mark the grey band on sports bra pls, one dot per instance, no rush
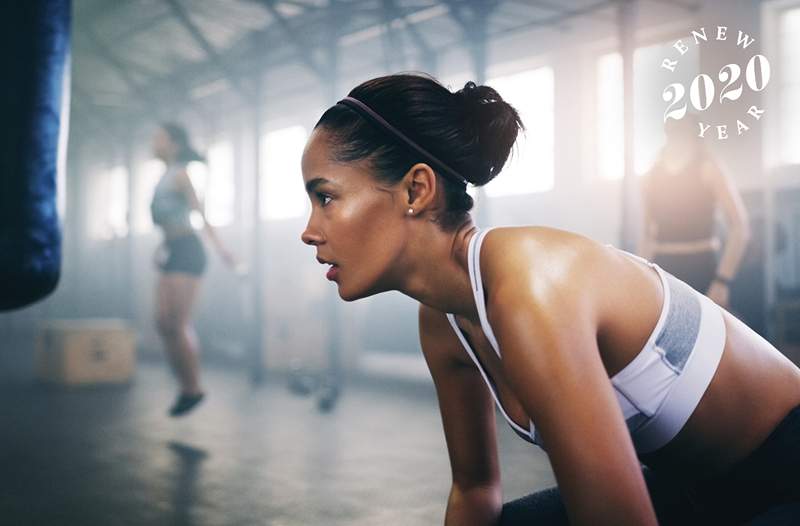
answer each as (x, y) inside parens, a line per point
(367, 112)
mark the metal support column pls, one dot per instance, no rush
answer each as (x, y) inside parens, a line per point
(479, 27)
(256, 360)
(131, 216)
(626, 27)
(334, 374)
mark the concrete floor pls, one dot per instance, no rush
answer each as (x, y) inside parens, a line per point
(109, 456)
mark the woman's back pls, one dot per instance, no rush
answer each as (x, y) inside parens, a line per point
(754, 385)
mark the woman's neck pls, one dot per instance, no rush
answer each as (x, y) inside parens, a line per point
(435, 271)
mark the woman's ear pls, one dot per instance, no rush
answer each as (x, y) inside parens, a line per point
(420, 188)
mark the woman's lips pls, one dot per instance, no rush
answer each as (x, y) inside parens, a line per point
(333, 272)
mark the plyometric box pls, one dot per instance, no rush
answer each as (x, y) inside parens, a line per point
(91, 351)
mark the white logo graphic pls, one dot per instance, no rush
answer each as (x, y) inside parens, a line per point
(703, 88)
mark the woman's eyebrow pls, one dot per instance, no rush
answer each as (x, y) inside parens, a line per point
(314, 183)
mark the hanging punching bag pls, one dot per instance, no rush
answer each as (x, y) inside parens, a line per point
(35, 50)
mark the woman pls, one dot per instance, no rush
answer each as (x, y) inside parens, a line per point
(540, 319)
(680, 195)
(181, 261)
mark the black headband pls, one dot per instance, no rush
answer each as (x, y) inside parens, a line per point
(367, 112)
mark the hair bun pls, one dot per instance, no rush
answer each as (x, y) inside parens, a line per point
(494, 125)
(473, 94)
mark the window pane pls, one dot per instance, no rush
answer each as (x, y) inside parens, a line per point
(789, 41)
(117, 212)
(790, 86)
(790, 117)
(649, 81)
(282, 192)
(109, 204)
(198, 175)
(530, 168)
(220, 187)
(610, 117)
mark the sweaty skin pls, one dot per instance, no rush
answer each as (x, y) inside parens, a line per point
(568, 314)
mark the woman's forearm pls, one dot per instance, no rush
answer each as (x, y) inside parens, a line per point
(478, 506)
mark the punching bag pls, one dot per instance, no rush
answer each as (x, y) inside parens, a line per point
(35, 37)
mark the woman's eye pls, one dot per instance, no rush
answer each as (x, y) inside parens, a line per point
(323, 199)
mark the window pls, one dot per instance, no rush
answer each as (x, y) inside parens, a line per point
(789, 42)
(530, 167)
(198, 175)
(649, 80)
(282, 193)
(220, 187)
(610, 117)
(109, 204)
(149, 173)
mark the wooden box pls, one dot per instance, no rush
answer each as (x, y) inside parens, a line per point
(90, 351)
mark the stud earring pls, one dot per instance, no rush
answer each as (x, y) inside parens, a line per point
(410, 210)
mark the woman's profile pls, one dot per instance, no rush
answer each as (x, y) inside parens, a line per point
(600, 357)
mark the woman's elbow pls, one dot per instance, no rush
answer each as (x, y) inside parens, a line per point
(474, 505)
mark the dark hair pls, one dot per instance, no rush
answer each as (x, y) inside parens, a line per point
(178, 135)
(472, 131)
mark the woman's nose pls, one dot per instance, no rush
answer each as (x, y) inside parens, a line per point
(311, 237)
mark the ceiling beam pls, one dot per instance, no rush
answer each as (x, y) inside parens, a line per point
(567, 14)
(291, 35)
(183, 17)
(428, 54)
(104, 53)
(391, 44)
(84, 101)
(692, 7)
(151, 102)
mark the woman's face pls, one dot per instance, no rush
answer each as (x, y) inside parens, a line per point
(357, 223)
(162, 145)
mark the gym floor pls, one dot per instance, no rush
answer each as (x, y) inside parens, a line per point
(248, 455)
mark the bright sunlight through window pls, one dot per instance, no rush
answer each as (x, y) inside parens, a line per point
(282, 193)
(109, 198)
(221, 186)
(648, 107)
(530, 167)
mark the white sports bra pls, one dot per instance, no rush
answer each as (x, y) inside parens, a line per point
(660, 388)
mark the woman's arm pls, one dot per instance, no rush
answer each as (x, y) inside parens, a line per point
(185, 184)
(546, 323)
(729, 199)
(468, 417)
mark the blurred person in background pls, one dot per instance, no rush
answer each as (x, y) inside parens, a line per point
(680, 195)
(181, 260)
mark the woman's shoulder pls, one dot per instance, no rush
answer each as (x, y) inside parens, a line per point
(538, 259)
(526, 244)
